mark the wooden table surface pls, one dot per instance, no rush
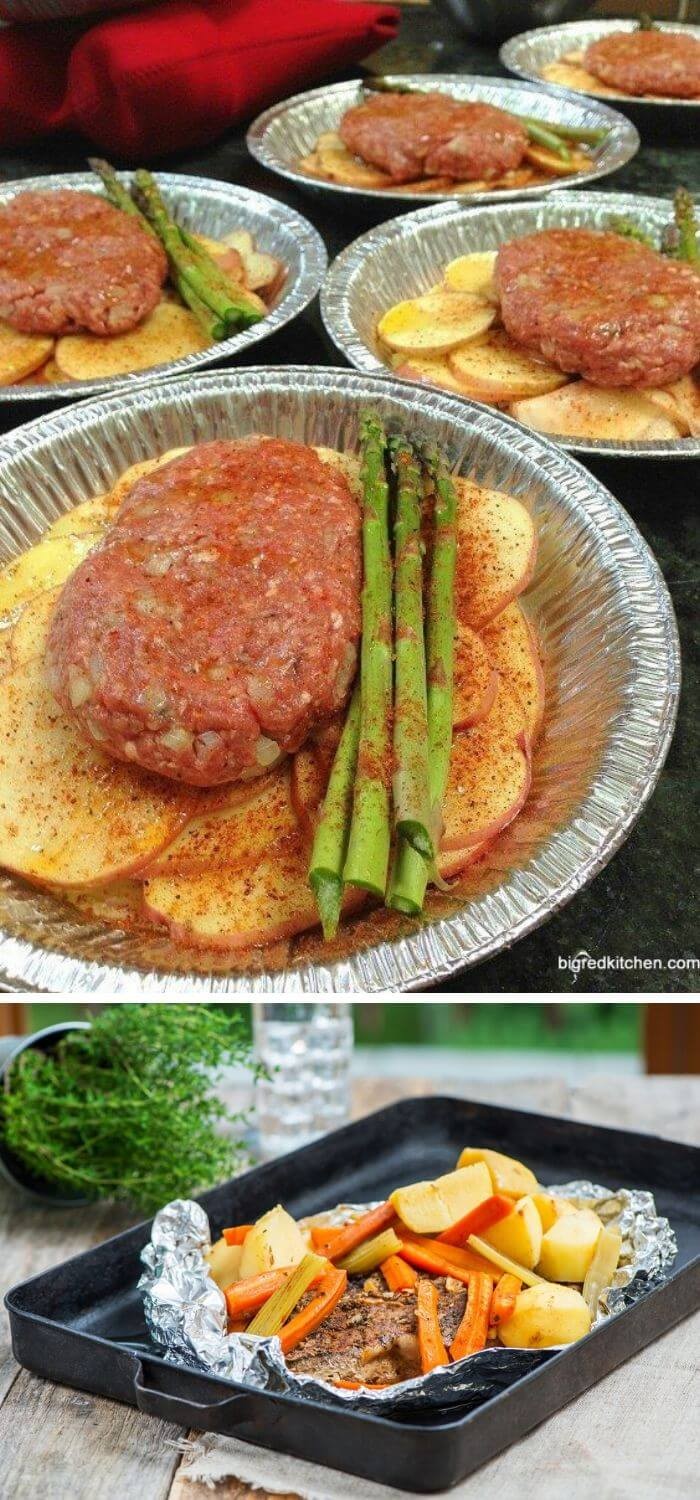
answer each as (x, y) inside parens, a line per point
(635, 1436)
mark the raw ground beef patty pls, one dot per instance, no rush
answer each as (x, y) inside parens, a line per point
(601, 306)
(371, 1335)
(647, 62)
(71, 261)
(425, 135)
(218, 621)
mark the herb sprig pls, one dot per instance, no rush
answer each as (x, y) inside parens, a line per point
(126, 1110)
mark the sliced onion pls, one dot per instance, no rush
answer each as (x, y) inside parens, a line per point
(176, 739)
(79, 688)
(266, 751)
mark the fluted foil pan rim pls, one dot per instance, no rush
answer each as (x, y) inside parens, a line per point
(474, 229)
(186, 1312)
(613, 663)
(203, 202)
(525, 53)
(303, 117)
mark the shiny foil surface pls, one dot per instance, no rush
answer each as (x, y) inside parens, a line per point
(186, 1312)
(214, 209)
(598, 603)
(280, 137)
(407, 256)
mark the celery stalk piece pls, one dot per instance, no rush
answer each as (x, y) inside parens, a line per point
(602, 1268)
(367, 1257)
(504, 1262)
(274, 1313)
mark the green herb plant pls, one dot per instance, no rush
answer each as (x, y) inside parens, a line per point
(127, 1109)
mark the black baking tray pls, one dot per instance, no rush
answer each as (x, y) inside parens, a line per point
(81, 1323)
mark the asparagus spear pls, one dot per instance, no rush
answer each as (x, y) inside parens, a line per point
(410, 873)
(587, 133)
(331, 838)
(367, 857)
(543, 136)
(410, 781)
(630, 231)
(195, 270)
(681, 238)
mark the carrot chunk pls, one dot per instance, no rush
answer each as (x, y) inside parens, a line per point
(482, 1217)
(247, 1296)
(331, 1286)
(473, 1329)
(355, 1234)
(430, 1340)
(397, 1273)
(323, 1236)
(503, 1300)
(237, 1234)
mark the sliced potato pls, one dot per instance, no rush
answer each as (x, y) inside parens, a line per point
(510, 1177)
(224, 1263)
(430, 1207)
(275, 1240)
(475, 679)
(519, 1235)
(91, 517)
(551, 1208)
(545, 1316)
(496, 555)
(572, 75)
(557, 166)
(119, 903)
(511, 650)
(594, 411)
(21, 353)
(489, 778)
(496, 369)
(341, 166)
(436, 321)
(569, 1245)
(420, 367)
(168, 333)
(30, 632)
(42, 567)
(680, 402)
(256, 816)
(68, 814)
(307, 789)
(473, 273)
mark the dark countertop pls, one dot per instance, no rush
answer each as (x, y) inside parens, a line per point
(642, 905)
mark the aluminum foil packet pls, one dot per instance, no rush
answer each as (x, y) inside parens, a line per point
(186, 1311)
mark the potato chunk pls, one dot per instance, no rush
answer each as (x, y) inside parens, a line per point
(508, 1176)
(437, 321)
(519, 1235)
(275, 1240)
(568, 1247)
(551, 1208)
(430, 1207)
(224, 1263)
(544, 1316)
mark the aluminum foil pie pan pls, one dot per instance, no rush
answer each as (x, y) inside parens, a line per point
(280, 137)
(406, 256)
(530, 51)
(215, 209)
(598, 601)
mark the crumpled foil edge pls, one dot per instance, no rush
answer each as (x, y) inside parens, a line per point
(185, 1310)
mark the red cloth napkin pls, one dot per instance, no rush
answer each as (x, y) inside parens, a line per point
(178, 75)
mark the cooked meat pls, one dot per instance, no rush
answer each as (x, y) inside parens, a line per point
(430, 135)
(601, 306)
(219, 619)
(371, 1335)
(71, 261)
(647, 62)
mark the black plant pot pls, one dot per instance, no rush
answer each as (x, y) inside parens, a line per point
(11, 1168)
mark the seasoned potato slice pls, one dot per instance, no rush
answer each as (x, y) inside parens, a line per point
(168, 333)
(437, 371)
(21, 353)
(90, 517)
(430, 1207)
(42, 567)
(544, 1316)
(29, 635)
(510, 1177)
(572, 75)
(569, 1245)
(68, 814)
(519, 1235)
(496, 369)
(307, 789)
(557, 166)
(119, 903)
(275, 1240)
(256, 816)
(594, 411)
(47, 374)
(262, 271)
(436, 321)
(512, 651)
(475, 679)
(473, 273)
(496, 555)
(489, 777)
(680, 402)
(341, 166)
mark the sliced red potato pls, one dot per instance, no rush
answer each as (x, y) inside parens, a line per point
(262, 271)
(21, 353)
(338, 164)
(254, 817)
(7, 626)
(557, 166)
(91, 516)
(119, 904)
(451, 862)
(309, 779)
(436, 321)
(594, 411)
(68, 814)
(489, 776)
(168, 333)
(473, 273)
(497, 551)
(680, 402)
(569, 73)
(436, 371)
(42, 567)
(232, 909)
(29, 635)
(511, 648)
(475, 679)
(497, 369)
